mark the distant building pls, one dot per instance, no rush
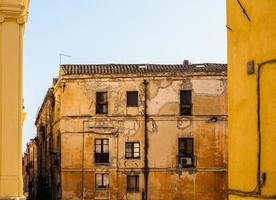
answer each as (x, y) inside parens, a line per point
(30, 170)
(121, 131)
(25, 174)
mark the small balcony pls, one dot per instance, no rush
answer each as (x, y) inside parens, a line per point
(102, 158)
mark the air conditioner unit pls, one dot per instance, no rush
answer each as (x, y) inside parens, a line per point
(186, 161)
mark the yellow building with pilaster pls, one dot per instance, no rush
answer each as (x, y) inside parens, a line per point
(13, 15)
(252, 98)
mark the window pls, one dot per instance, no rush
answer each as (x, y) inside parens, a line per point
(101, 103)
(101, 181)
(101, 151)
(133, 183)
(132, 149)
(132, 99)
(42, 129)
(185, 102)
(186, 152)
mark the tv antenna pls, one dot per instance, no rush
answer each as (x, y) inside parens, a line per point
(63, 55)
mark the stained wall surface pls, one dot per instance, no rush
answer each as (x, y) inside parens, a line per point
(78, 125)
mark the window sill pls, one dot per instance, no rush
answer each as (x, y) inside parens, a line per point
(101, 189)
(133, 191)
(102, 164)
(133, 158)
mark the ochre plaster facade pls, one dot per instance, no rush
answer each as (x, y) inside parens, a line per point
(30, 170)
(68, 126)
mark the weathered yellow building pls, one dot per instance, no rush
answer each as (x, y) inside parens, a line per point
(134, 132)
(24, 174)
(252, 111)
(30, 170)
(13, 15)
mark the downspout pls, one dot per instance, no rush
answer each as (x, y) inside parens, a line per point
(261, 176)
(82, 162)
(146, 168)
(117, 167)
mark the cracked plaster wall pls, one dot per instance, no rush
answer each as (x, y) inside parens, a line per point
(122, 124)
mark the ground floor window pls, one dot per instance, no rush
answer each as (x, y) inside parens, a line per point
(132, 183)
(102, 181)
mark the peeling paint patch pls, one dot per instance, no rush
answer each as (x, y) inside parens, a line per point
(186, 84)
(156, 85)
(164, 96)
(129, 128)
(103, 126)
(183, 123)
(107, 126)
(119, 100)
(152, 126)
(208, 87)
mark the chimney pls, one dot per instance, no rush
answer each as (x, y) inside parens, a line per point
(185, 62)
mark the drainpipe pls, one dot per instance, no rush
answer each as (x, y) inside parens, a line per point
(82, 161)
(146, 170)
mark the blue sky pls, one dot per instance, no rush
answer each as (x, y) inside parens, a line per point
(116, 31)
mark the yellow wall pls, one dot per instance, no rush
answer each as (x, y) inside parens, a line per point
(253, 39)
(12, 19)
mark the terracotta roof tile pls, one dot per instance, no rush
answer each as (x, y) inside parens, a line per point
(142, 68)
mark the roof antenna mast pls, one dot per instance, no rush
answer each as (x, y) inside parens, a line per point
(63, 55)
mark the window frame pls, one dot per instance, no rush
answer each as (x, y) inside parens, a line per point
(132, 152)
(137, 183)
(183, 105)
(100, 104)
(102, 156)
(183, 153)
(128, 103)
(102, 186)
